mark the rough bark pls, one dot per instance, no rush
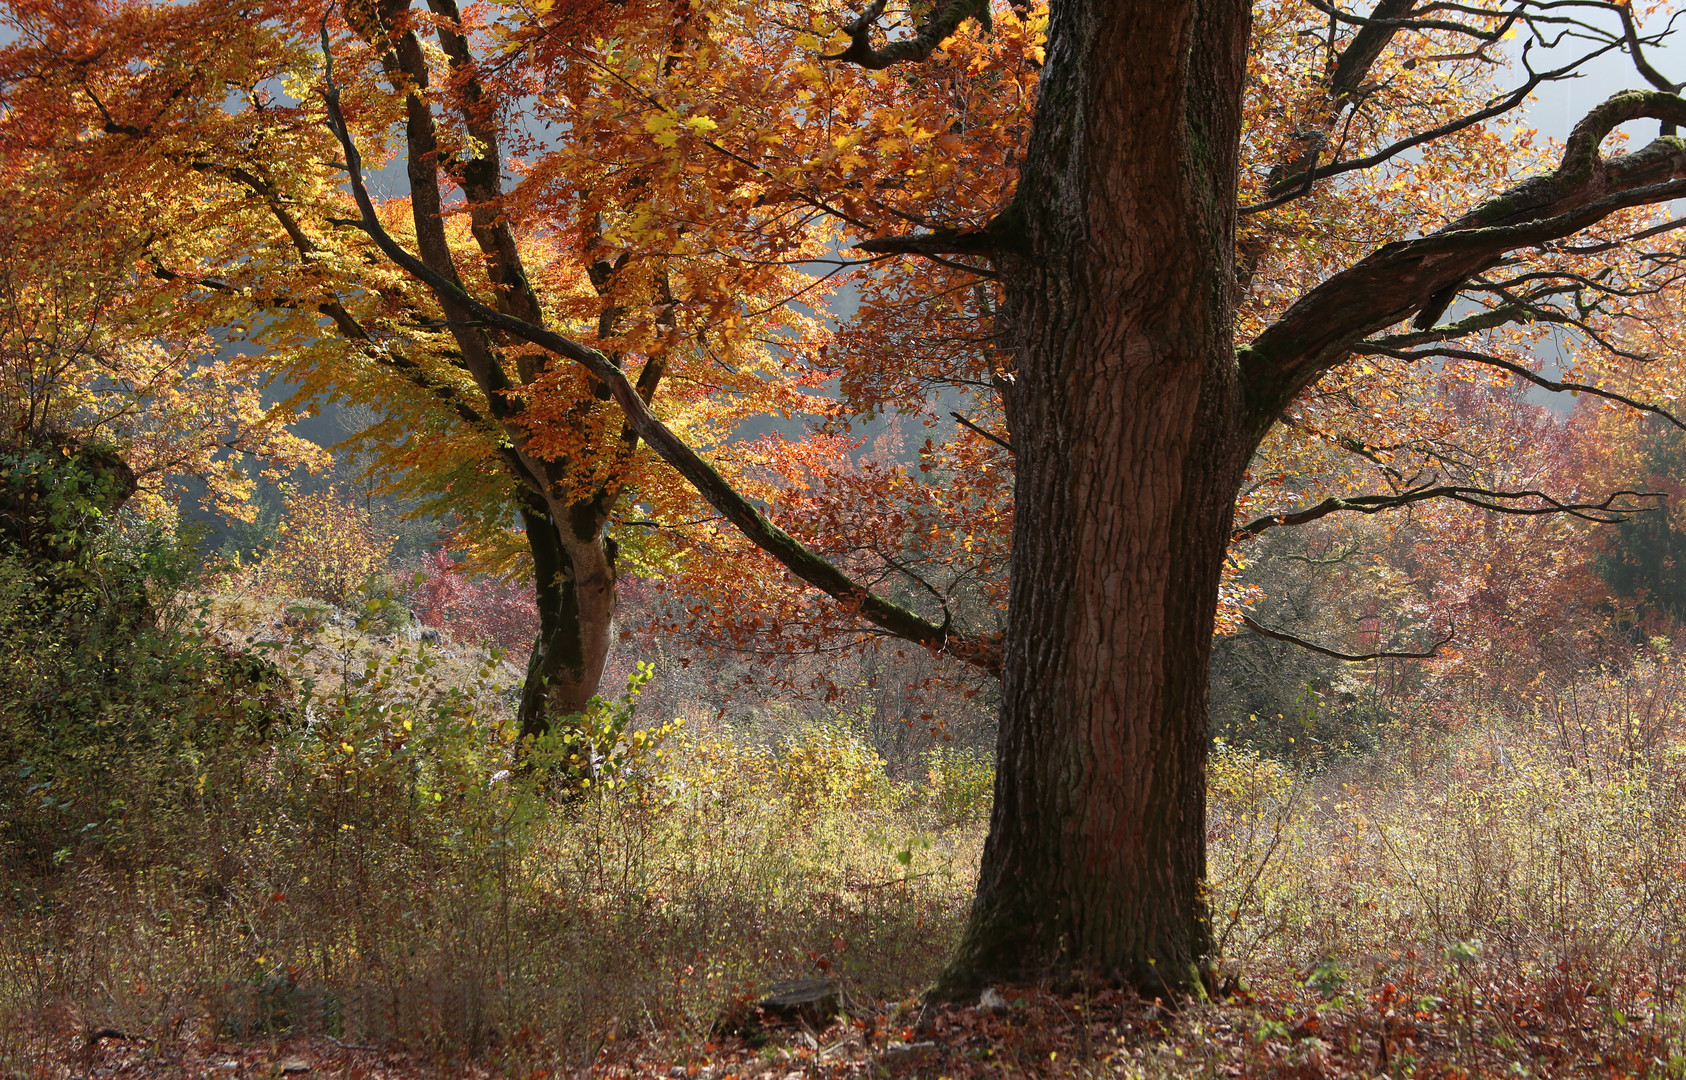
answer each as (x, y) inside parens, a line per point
(1129, 455)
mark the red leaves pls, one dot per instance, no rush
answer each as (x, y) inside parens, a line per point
(474, 609)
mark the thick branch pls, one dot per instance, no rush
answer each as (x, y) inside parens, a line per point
(406, 68)
(482, 175)
(1433, 650)
(1366, 47)
(802, 562)
(1606, 512)
(943, 22)
(1402, 278)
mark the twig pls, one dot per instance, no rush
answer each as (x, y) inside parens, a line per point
(864, 885)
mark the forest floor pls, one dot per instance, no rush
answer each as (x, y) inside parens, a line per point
(1031, 1033)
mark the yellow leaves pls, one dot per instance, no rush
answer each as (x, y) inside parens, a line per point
(666, 127)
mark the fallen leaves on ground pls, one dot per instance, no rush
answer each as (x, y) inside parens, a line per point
(1395, 1029)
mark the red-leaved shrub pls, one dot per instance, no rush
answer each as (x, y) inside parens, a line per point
(474, 609)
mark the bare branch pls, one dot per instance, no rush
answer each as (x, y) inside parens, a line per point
(1433, 650)
(945, 242)
(1372, 349)
(1630, 32)
(1607, 512)
(996, 439)
(1303, 181)
(1405, 277)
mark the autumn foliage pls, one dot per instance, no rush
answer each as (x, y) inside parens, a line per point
(474, 609)
(326, 548)
(1439, 817)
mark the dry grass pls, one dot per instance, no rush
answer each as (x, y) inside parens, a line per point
(1503, 900)
(379, 876)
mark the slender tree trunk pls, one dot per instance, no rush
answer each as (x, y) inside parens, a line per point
(1125, 414)
(574, 586)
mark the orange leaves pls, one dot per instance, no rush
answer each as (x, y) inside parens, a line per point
(682, 188)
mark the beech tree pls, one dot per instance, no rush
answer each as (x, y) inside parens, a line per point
(210, 115)
(86, 363)
(1186, 247)
(1134, 414)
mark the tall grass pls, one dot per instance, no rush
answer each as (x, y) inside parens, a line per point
(1524, 874)
(381, 876)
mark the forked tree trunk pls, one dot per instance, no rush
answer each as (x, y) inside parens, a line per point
(1125, 415)
(574, 586)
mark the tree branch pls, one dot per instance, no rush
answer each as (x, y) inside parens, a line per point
(1365, 348)
(1630, 33)
(943, 242)
(1401, 278)
(1604, 513)
(754, 525)
(1304, 180)
(944, 20)
(1264, 631)
(996, 439)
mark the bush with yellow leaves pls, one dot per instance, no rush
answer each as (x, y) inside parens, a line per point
(327, 548)
(830, 764)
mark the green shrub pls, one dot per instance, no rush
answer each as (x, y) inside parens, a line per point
(960, 783)
(599, 748)
(110, 699)
(306, 616)
(384, 613)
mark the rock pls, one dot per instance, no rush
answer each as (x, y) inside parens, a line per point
(815, 1001)
(294, 1065)
(899, 1056)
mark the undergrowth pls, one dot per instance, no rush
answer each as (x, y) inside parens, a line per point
(383, 868)
(381, 873)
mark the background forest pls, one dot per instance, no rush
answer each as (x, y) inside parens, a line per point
(376, 700)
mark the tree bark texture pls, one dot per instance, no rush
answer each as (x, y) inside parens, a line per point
(1125, 417)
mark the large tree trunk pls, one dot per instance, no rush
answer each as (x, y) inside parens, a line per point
(574, 586)
(1125, 417)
